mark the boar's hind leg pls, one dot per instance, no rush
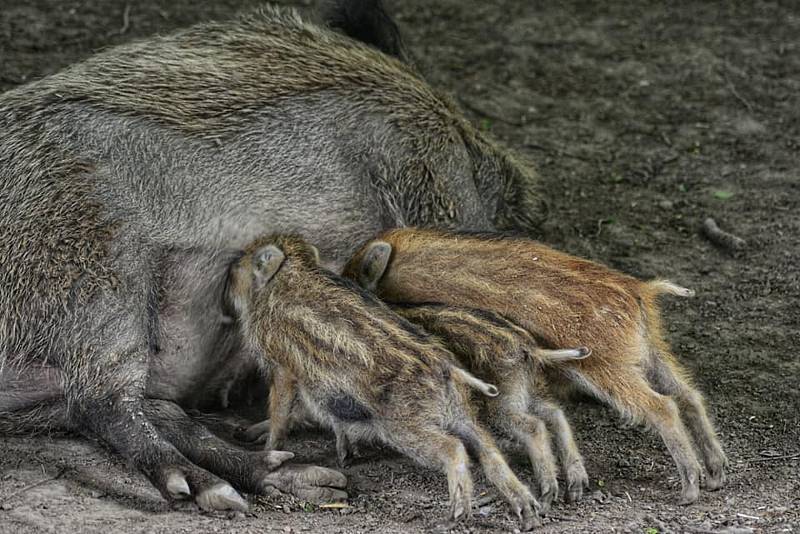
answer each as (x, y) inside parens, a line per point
(632, 396)
(571, 460)
(481, 444)
(668, 378)
(435, 448)
(254, 472)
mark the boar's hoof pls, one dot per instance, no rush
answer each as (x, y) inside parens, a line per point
(221, 497)
(577, 481)
(177, 486)
(307, 482)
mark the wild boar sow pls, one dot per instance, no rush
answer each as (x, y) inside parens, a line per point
(127, 179)
(563, 301)
(364, 371)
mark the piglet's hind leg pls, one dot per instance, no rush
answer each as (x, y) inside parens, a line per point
(435, 448)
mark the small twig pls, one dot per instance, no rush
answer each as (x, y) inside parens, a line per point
(739, 97)
(561, 517)
(699, 530)
(126, 22)
(745, 516)
(557, 151)
(34, 485)
(489, 115)
(600, 223)
(722, 238)
(773, 458)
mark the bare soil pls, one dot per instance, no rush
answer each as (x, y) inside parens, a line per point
(644, 118)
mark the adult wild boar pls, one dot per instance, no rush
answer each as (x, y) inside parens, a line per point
(129, 177)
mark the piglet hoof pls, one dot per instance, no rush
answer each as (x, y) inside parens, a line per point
(347, 457)
(690, 489)
(221, 497)
(257, 433)
(344, 462)
(306, 482)
(527, 509)
(716, 476)
(274, 459)
(715, 481)
(689, 495)
(529, 519)
(448, 526)
(177, 486)
(577, 481)
(548, 491)
(460, 507)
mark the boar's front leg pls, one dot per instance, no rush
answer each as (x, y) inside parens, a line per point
(254, 472)
(105, 365)
(105, 371)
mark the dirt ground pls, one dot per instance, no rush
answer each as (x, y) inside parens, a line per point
(644, 118)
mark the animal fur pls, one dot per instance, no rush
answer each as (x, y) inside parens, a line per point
(362, 370)
(563, 301)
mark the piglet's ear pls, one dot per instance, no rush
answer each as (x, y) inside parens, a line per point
(266, 262)
(373, 265)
